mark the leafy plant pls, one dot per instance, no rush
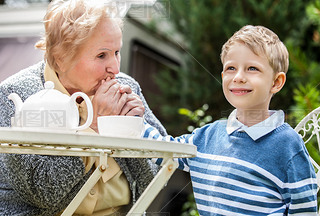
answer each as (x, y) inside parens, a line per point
(305, 72)
(189, 208)
(197, 117)
(306, 98)
(313, 12)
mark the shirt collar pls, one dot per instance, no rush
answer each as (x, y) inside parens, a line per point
(51, 75)
(256, 131)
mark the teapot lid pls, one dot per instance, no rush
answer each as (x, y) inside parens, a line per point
(49, 94)
(49, 85)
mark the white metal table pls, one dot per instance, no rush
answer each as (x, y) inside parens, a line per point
(21, 141)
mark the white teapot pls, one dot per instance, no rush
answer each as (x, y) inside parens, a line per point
(50, 109)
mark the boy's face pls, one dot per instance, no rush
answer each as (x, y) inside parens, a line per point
(248, 80)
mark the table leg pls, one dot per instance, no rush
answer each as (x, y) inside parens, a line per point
(93, 179)
(155, 186)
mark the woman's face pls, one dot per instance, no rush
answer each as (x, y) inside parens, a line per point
(98, 59)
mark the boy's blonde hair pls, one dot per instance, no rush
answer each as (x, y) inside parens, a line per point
(68, 25)
(262, 41)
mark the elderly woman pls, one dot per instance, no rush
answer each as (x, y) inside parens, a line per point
(82, 45)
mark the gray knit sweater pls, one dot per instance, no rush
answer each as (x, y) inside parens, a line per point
(44, 185)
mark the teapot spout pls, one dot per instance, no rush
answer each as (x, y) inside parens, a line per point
(17, 102)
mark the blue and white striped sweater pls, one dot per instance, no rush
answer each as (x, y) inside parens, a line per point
(234, 175)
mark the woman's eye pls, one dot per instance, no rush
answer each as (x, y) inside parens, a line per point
(101, 55)
(117, 53)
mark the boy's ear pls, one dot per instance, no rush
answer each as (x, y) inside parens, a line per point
(278, 83)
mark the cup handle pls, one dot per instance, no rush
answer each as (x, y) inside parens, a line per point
(89, 109)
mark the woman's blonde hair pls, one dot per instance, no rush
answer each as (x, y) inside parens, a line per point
(68, 24)
(262, 41)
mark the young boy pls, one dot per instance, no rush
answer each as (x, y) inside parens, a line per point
(253, 163)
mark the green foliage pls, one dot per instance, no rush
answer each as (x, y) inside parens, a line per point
(189, 208)
(197, 117)
(304, 71)
(313, 12)
(306, 98)
(309, 38)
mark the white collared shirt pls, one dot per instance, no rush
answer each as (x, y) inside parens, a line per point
(256, 131)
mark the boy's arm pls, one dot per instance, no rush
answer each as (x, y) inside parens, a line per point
(152, 133)
(301, 186)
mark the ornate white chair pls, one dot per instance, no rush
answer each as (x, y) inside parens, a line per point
(309, 129)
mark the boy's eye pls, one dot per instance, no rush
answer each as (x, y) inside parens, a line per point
(253, 68)
(230, 68)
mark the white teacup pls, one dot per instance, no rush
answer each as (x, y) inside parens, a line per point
(120, 126)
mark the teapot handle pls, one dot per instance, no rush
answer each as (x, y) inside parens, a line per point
(89, 109)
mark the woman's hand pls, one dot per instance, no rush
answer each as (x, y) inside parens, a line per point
(133, 106)
(108, 100)
(113, 99)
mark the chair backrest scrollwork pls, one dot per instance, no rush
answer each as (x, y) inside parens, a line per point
(309, 129)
